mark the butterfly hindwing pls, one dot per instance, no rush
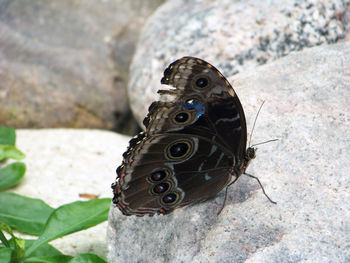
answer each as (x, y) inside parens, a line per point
(187, 168)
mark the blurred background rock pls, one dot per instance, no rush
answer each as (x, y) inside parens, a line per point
(234, 36)
(66, 63)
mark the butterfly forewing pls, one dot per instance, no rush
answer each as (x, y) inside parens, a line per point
(223, 108)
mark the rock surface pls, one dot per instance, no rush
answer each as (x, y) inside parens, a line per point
(233, 35)
(306, 172)
(63, 163)
(65, 63)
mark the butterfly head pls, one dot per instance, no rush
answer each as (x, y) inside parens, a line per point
(250, 154)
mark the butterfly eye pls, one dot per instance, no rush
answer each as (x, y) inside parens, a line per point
(170, 199)
(202, 82)
(251, 153)
(179, 150)
(158, 175)
(161, 188)
(182, 117)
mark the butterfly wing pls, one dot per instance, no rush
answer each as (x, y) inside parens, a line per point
(196, 79)
(190, 146)
(166, 171)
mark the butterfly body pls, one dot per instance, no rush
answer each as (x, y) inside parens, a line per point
(192, 147)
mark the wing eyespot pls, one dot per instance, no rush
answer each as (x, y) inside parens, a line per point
(179, 150)
(170, 199)
(182, 118)
(158, 176)
(202, 82)
(161, 188)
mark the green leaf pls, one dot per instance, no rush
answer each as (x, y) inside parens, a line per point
(9, 151)
(26, 214)
(6, 228)
(49, 259)
(44, 250)
(71, 218)
(87, 258)
(4, 240)
(11, 174)
(46, 253)
(16, 244)
(7, 136)
(5, 254)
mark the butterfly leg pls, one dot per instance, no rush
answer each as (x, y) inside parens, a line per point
(262, 188)
(223, 204)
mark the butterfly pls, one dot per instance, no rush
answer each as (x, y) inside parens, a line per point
(194, 144)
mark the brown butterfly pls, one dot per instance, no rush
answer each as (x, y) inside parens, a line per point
(193, 146)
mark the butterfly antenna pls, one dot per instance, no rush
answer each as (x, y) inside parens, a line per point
(256, 117)
(223, 204)
(262, 188)
(264, 142)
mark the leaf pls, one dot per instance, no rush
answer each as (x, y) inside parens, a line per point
(87, 258)
(26, 214)
(16, 244)
(46, 253)
(11, 174)
(3, 239)
(9, 151)
(71, 218)
(44, 250)
(7, 229)
(7, 136)
(5, 254)
(49, 259)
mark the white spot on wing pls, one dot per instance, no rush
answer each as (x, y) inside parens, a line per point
(212, 150)
(219, 160)
(227, 119)
(231, 91)
(200, 167)
(207, 177)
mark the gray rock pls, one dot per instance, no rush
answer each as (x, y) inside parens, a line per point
(64, 63)
(233, 35)
(307, 172)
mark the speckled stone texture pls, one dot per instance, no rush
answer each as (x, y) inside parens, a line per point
(307, 172)
(233, 35)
